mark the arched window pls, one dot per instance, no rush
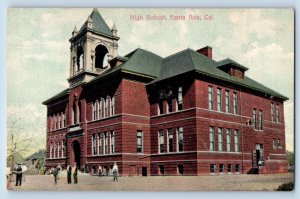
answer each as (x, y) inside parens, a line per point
(54, 150)
(101, 59)
(74, 114)
(80, 57)
(79, 112)
(51, 148)
(62, 149)
(53, 122)
(58, 150)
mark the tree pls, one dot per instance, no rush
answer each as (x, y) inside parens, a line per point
(290, 158)
(21, 126)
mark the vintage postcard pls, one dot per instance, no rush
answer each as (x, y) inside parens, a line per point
(150, 99)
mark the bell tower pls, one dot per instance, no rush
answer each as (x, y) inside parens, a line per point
(92, 47)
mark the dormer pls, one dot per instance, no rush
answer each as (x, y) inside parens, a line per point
(118, 60)
(232, 68)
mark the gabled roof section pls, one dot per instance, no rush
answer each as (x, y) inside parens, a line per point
(143, 62)
(138, 61)
(190, 60)
(99, 25)
(228, 61)
(182, 62)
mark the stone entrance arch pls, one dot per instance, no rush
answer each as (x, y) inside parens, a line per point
(76, 156)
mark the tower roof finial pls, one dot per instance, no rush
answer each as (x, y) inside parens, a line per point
(75, 29)
(114, 27)
(95, 10)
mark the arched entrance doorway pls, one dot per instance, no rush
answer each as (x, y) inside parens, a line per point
(76, 153)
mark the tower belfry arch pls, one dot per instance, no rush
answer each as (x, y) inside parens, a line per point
(92, 46)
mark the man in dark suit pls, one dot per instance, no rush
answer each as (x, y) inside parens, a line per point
(18, 175)
(75, 172)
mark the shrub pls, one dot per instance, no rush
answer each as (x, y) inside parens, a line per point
(286, 187)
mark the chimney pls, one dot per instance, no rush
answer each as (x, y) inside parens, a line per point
(206, 51)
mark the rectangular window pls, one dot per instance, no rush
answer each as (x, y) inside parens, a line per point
(94, 111)
(228, 139)
(58, 148)
(106, 142)
(170, 140)
(211, 139)
(221, 168)
(106, 107)
(170, 105)
(220, 139)
(139, 142)
(54, 151)
(255, 118)
(161, 141)
(62, 149)
(100, 114)
(94, 144)
(279, 144)
(180, 139)
(260, 120)
(210, 98)
(235, 103)
(51, 148)
(54, 122)
(236, 141)
(277, 113)
(64, 116)
(219, 99)
(112, 106)
(227, 101)
(161, 169)
(59, 121)
(100, 140)
(212, 168)
(180, 169)
(274, 143)
(160, 107)
(229, 168)
(112, 142)
(237, 168)
(179, 99)
(272, 112)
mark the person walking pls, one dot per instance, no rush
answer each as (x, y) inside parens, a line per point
(99, 170)
(18, 175)
(75, 172)
(55, 174)
(115, 171)
(69, 174)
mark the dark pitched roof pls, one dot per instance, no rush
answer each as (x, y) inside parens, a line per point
(61, 94)
(232, 62)
(190, 60)
(99, 25)
(139, 61)
(37, 155)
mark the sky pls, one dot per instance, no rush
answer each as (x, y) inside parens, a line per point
(39, 52)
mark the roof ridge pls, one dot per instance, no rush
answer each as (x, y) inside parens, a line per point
(174, 54)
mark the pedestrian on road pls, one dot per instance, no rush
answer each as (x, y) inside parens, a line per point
(115, 171)
(18, 175)
(99, 170)
(55, 174)
(75, 172)
(69, 174)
